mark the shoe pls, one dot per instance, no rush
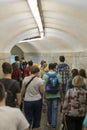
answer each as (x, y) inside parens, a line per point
(53, 128)
(48, 125)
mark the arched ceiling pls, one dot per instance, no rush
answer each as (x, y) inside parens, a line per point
(64, 23)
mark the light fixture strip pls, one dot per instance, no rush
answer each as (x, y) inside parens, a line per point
(35, 11)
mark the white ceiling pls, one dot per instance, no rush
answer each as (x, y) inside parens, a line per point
(64, 22)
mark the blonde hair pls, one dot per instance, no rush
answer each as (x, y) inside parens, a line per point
(78, 81)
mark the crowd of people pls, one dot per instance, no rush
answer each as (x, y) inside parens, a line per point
(26, 87)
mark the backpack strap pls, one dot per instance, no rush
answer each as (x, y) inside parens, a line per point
(28, 84)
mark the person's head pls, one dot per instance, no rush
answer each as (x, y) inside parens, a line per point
(14, 66)
(35, 70)
(51, 66)
(16, 58)
(2, 92)
(55, 64)
(74, 72)
(30, 63)
(62, 58)
(42, 62)
(22, 58)
(7, 68)
(82, 73)
(78, 81)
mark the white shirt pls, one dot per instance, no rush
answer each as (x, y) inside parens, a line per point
(12, 119)
(33, 89)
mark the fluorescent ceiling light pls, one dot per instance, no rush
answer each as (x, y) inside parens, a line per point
(31, 40)
(35, 11)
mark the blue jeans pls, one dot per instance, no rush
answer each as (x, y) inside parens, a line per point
(32, 110)
(52, 113)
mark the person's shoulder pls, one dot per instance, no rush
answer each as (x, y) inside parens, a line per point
(14, 85)
(14, 81)
(45, 74)
(8, 81)
(60, 66)
(26, 78)
(15, 110)
(51, 73)
(66, 65)
(10, 109)
(40, 80)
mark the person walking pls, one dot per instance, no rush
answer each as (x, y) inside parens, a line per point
(11, 118)
(33, 97)
(74, 107)
(82, 72)
(12, 86)
(74, 72)
(64, 70)
(17, 73)
(52, 97)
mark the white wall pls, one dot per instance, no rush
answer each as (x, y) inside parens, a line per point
(75, 60)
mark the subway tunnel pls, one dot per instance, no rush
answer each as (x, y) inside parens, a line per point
(44, 29)
(62, 30)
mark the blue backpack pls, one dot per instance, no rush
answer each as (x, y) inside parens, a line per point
(52, 85)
